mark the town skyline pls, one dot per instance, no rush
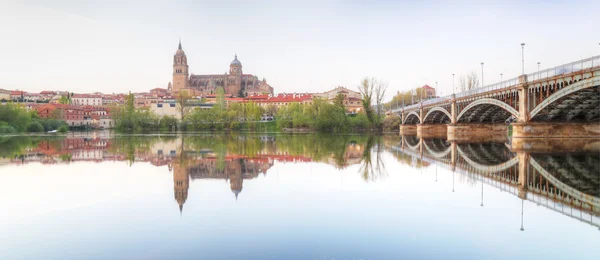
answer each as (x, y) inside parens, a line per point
(91, 47)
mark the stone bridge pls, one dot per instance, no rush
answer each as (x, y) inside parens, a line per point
(568, 179)
(559, 102)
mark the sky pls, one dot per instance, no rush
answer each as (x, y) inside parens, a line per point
(301, 46)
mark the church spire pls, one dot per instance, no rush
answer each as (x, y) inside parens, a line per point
(179, 44)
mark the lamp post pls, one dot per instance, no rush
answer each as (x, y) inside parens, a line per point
(522, 202)
(539, 76)
(522, 58)
(436, 93)
(452, 181)
(501, 79)
(481, 74)
(481, 192)
(452, 83)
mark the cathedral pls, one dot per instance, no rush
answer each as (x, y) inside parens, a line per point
(235, 83)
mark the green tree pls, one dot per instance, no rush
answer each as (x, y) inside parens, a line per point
(339, 101)
(367, 88)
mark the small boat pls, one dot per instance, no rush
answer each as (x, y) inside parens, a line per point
(53, 131)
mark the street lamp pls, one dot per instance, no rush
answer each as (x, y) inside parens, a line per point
(452, 83)
(452, 181)
(539, 76)
(481, 74)
(436, 93)
(522, 201)
(481, 191)
(501, 79)
(522, 58)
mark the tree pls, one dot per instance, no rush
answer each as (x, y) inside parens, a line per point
(469, 81)
(64, 100)
(366, 88)
(380, 89)
(271, 110)
(339, 101)
(183, 105)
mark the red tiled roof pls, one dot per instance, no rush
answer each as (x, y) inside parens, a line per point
(86, 96)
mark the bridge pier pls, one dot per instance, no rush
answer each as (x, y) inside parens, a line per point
(469, 131)
(523, 172)
(408, 129)
(548, 145)
(555, 130)
(431, 130)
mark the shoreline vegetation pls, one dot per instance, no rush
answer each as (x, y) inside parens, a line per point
(15, 119)
(317, 116)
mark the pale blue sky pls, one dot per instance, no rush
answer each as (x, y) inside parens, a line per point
(305, 46)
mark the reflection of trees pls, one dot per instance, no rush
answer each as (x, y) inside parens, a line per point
(135, 145)
(337, 150)
(11, 147)
(372, 171)
(322, 148)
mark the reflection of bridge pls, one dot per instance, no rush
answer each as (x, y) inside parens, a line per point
(558, 102)
(566, 183)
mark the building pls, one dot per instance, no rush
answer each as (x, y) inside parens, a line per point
(4, 95)
(31, 97)
(17, 95)
(429, 91)
(86, 99)
(47, 94)
(234, 83)
(352, 99)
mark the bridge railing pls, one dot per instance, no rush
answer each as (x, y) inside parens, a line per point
(547, 73)
(491, 87)
(565, 68)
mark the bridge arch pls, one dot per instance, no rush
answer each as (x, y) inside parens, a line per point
(489, 106)
(574, 193)
(437, 154)
(412, 142)
(412, 118)
(585, 103)
(437, 114)
(487, 168)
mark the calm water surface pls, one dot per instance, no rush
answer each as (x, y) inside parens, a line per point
(274, 196)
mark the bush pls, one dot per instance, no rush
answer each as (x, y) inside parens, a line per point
(391, 122)
(63, 129)
(35, 127)
(6, 129)
(360, 121)
(52, 124)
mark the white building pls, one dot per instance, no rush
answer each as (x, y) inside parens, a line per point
(86, 100)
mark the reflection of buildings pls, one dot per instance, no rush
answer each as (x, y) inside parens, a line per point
(232, 168)
(187, 164)
(181, 183)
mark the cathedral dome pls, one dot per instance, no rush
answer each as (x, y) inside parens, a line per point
(236, 61)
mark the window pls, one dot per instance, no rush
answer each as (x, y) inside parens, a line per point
(159, 105)
(172, 105)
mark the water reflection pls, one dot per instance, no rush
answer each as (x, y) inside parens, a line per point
(562, 177)
(566, 180)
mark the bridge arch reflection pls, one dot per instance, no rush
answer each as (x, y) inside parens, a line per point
(567, 182)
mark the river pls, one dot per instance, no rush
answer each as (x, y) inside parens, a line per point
(101, 195)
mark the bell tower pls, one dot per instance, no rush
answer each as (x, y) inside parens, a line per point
(180, 70)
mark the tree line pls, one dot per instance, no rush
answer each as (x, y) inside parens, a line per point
(16, 119)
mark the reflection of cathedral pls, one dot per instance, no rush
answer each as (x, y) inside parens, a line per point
(233, 83)
(181, 183)
(234, 169)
